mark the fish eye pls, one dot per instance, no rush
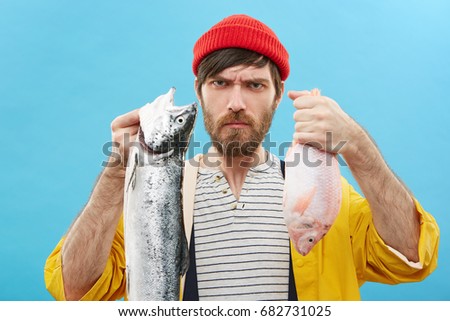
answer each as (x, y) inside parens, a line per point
(310, 240)
(180, 120)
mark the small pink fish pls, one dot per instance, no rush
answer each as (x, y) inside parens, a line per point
(312, 194)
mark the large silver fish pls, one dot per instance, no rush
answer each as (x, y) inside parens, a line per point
(156, 250)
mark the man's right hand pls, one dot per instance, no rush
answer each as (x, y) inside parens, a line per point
(124, 129)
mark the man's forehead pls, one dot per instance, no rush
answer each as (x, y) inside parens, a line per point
(246, 72)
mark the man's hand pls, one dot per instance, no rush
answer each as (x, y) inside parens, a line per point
(319, 121)
(124, 129)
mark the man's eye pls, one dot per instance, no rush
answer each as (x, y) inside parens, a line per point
(219, 83)
(255, 85)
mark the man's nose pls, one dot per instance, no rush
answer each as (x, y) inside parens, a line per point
(236, 100)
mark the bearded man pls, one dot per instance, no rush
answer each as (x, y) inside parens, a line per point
(239, 244)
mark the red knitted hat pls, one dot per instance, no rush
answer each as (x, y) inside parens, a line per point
(242, 31)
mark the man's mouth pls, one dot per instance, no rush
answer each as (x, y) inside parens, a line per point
(236, 124)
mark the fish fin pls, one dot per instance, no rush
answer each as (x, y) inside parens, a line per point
(132, 180)
(184, 253)
(315, 92)
(127, 280)
(304, 201)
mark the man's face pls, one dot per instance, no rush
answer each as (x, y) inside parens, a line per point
(238, 106)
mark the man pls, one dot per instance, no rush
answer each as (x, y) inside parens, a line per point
(238, 242)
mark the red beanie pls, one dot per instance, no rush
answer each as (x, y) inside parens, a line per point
(242, 31)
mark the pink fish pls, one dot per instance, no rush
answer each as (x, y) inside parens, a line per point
(312, 194)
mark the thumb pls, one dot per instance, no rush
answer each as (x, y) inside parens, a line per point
(294, 94)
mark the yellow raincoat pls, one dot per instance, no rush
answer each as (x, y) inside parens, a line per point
(350, 254)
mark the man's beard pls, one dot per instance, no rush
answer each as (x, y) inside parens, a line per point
(237, 142)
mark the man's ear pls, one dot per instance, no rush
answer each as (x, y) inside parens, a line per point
(278, 100)
(195, 88)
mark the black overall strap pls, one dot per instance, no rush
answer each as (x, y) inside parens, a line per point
(292, 296)
(283, 168)
(191, 284)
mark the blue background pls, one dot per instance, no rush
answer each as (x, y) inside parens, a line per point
(68, 68)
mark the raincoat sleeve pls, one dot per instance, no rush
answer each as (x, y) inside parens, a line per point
(110, 285)
(377, 262)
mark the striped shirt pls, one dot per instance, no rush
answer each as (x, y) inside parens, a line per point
(242, 246)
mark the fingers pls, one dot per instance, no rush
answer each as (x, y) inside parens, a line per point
(124, 131)
(294, 94)
(132, 130)
(126, 120)
(125, 135)
(305, 127)
(305, 99)
(308, 102)
(306, 139)
(309, 115)
(304, 115)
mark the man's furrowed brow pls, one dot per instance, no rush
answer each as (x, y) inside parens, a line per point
(261, 80)
(219, 77)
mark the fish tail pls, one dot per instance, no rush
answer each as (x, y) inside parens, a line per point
(315, 92)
